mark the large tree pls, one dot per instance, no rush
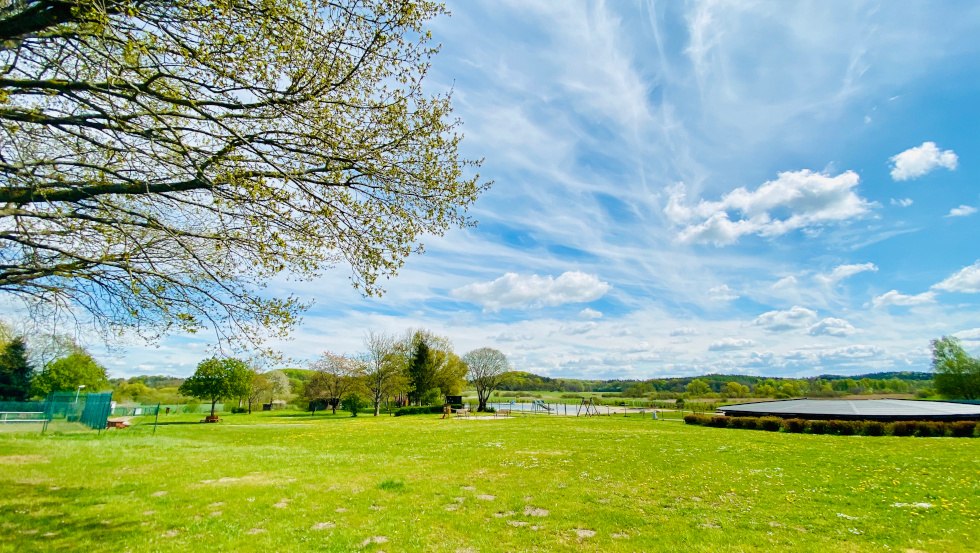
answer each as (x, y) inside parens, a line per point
(957, 375)
(160, 160)
(215, 379)
(69, 372)
(15, 371)
(487, 369)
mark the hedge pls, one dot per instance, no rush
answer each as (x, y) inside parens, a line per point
(416, 410)
(925, 429)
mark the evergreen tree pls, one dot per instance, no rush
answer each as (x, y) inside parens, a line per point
(421, 371)
(15, 371)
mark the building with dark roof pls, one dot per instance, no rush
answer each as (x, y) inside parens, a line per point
(859, 409)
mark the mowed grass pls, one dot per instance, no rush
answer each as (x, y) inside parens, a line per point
(269, 482)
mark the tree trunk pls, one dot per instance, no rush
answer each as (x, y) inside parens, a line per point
(213, 402)
(377, 407)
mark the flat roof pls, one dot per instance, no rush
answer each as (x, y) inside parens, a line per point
(873, 408)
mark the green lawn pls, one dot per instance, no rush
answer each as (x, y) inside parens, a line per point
(273, 482)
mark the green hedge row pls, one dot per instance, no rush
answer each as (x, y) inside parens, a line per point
(416, 410)
(958, 429)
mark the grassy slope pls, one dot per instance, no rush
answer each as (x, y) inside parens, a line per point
(266, 482)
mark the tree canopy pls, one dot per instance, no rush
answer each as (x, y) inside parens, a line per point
(957, 374)
(486, 368)
(69, 372)
(216, 379)
(16, 371)
(161, 160)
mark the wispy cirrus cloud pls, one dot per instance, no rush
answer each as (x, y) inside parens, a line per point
(845, 271)
(920, 160)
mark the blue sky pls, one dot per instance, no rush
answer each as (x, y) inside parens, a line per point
(769, 188)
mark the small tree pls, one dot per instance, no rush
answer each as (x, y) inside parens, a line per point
(336, 376)
(957, 374)
(278, 385)
(486, 369)
(15, 371)
(352, 403)
(214, 380)
(698, 387)
(386, 363)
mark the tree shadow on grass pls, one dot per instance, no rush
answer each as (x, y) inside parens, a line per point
(38, 518)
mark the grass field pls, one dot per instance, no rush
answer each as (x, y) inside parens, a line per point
(289, 482)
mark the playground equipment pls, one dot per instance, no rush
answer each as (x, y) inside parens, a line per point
(539, 404)
(589, 406)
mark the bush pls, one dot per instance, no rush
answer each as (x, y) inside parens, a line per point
(771, 424)
(697, 419)
(930, 429)
(903, 428)
(352, 403)
(819, 427)
(751, 423)
(796, 426)
(874, 428)
(963, 429)
(718, 421)
(416, 410)
(239, 410)
(844, 428)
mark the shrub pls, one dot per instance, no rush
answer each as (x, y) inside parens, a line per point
(718, 421)
(874, 428)
(771, 424)
(748, 423)
(819, 427)
(963, 429)
(416, 410)
(697, 419)
(844, 428)
(239, 410)
(903, 428)
(795, 426)
(352, 403)
(930, 429)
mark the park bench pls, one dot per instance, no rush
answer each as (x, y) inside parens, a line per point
(502, 412)
(464, 412)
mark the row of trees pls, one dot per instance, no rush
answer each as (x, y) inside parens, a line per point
(64, 365)
(418, 368)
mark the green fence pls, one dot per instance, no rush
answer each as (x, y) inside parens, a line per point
(62, 408)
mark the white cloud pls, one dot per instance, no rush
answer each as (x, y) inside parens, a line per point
(966, 280)
(962, 211)
(972, 335)
(722, 293)
(918, 161)
(804, 199)
(832, 327)
(901, 202)
(684, 331)
(893, 297)
(727, 344)
(589, 313)
(514, 290)
(779, 321)
(844, 271)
